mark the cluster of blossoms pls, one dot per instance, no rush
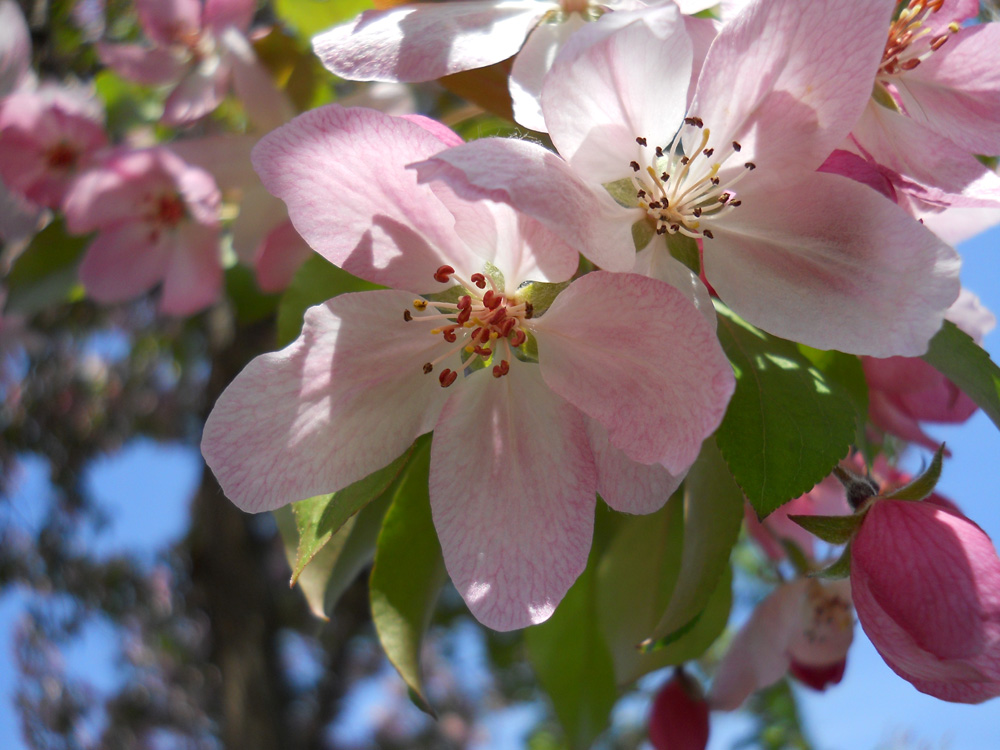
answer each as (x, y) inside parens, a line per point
(804, 165)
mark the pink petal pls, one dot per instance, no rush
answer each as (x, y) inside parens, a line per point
(260, 213)
(538, 183)
(124, 262)
(597, 101)
(827, 262)
(788, 79)
(859, 169)
(531, 66)
(225, 157)
(624, 484)
(342, 174)
(15, 47)
(632, 353)
(956, 91)
(657, 263)
(198, 93)
(266, 105)
(425, 41)
(221, 14)
(512, 488)
(344, 400)
(169, 21)
(149, 66)
(888, 416)
(280, 255)
(193, 279)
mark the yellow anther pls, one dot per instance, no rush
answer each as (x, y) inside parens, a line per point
(420, 304)
(470, 348)
(953, 27)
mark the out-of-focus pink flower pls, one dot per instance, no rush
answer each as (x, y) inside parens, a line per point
(781, 87)
(198, 48)
(804, 627)
(425, 41)
(15, 47)
(926, 584)
(905, 391)
(629, 378)
(157, 219)
(678, 719)
(47, 137)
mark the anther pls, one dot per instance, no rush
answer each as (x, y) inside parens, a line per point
(641, 194)
(661, 229)
(736, 203)
(449, 334)
(479, 280)
(659, 151)
(447, 377)
(428, 368)
(443, 274)
(407, 316)
(529, 310)
(664, 177)
(708, 151)
(736, 146)
(634, 165)
(708, 233)
(684, 160)
(654, 204)
(641, 141)
(501, 369)
(697, 213)
(750, 165)
(518, 338)
(725, 197)
(696, 121)
(420, 304)
(714, 180)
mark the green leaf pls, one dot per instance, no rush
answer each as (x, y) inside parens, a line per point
(309, 17)
(684, 249)
(923, 485)
(573, 663)
(249, 302)
(409, 572)
(840, 569)
(319, 518)
(832, 529)
(713, 512)
(954, 354)
(787, 425)
(314, 283)
(45, 273)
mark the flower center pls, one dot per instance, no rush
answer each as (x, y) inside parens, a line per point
(828, 616)
(910, 40)
(683, 193)
(62, 156)
(483, 326)
(169, 210)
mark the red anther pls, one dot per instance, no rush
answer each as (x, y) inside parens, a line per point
(696, 121)
(659, 151)
(449, 334)
(447, 377)
(443, 274)
(507, 326)
(708, 151)
(465, 302)
(501, 369)
(484, 353)
(428, 368)
(491, 300)
(479, 280)
(641, 141)
(484, 335)
(914, 62)
(475, 334)
(634, 165)
(463, 316)
(518, 338)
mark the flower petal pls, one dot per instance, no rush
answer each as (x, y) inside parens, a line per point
(425, 41)
(634, 354)
(512, 488)
(15, 46)
(344, 400)
(624, 484)
(193, 278)
(828, 262)
(342, 174)
(149, 66)
(221, 14)
(123, 262)
(266, 105)
(169, 21)
(531, 66)
(198, 93)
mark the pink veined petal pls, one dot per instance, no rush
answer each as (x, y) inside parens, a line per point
(956, 91)
(788, 79)
(425, 41)
(531, 66)
(280, 255)
(634, 354)
(198, 93)
(827, 262)
(758, 655)
(193, 279)
(598, 101)
(956, 225)
(538, 183)
(219, 15)
(512, 488)
(939, 172)
(149, 66)
(15, 47)
(169, 21)
(439, 130)
(344, 400)
(342, 174)
(624, 484)
(125, 261)
(953, 10)
(266, 105)
(657, 263)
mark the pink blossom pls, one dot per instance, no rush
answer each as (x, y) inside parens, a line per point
(47, 137)
(426, 41)
(197, 49)
(905, 391)
(804, 626)
(781, 87)
(926, 583)
(15, 47)
(678, 719)
(157, 220)
(629, 378)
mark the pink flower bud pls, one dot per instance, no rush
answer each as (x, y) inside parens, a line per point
(926, 585)
(679, 718)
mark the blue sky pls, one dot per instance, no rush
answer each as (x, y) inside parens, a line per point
(146, 488)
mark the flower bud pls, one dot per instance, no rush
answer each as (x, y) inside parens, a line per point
(926, 586)
(679, 717)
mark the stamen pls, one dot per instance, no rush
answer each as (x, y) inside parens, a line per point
(641, 141)
(479, 280)
(407, 316)
(501, 369)
(443, 274)
(447, 377)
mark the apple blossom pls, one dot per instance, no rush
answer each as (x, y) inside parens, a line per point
(157, 219)
(15, 47)
(804, 626)
(199, 46)
(628, 378)
(678, 718)
(926, 584)
(808, 256)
